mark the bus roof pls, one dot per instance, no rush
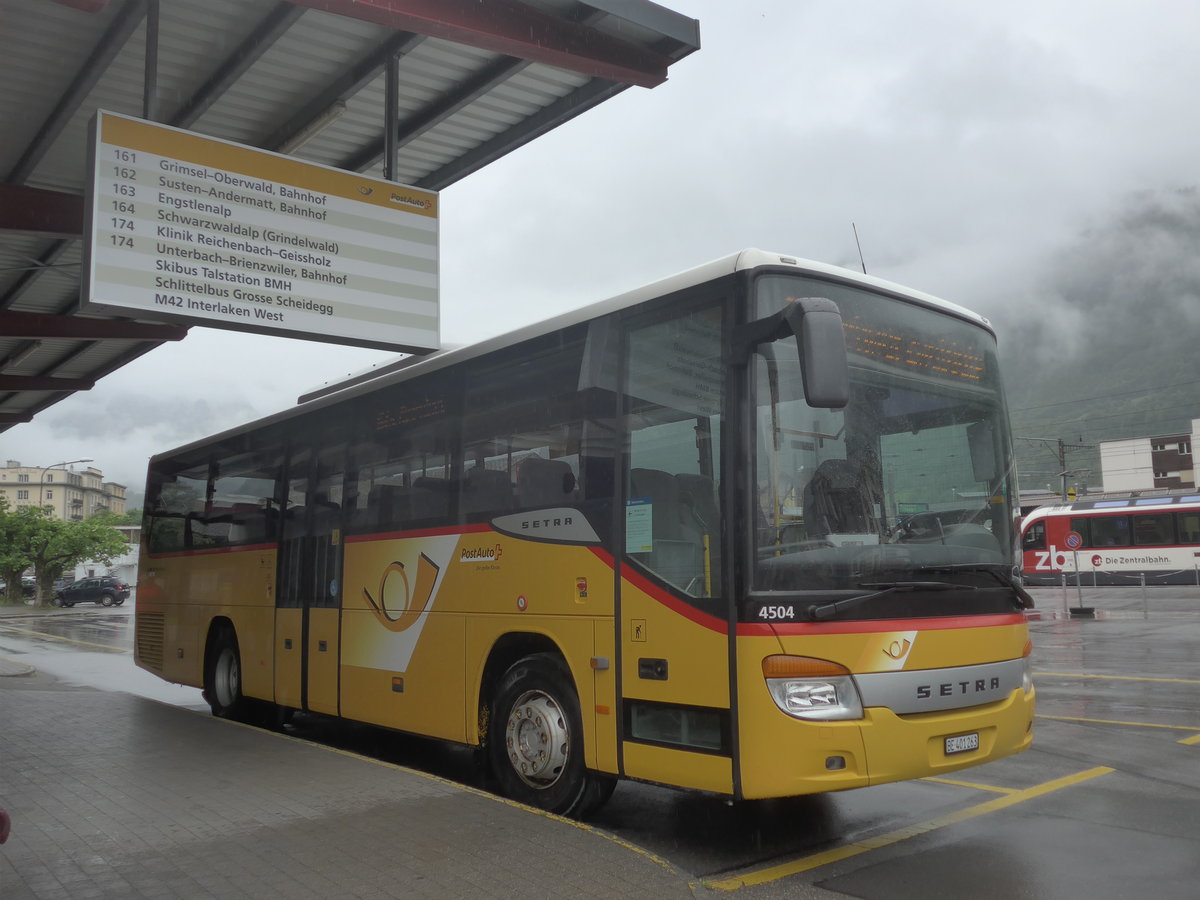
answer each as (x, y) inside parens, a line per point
(735, 262)
(412, 366)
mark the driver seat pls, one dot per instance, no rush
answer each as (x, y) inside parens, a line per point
(836, 500)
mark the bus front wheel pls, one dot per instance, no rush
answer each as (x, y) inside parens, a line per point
(536, 740)
(223, 678)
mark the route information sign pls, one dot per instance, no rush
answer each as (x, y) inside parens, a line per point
(189, 228)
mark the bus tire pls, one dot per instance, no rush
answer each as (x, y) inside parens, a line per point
(535, 745)
(223, 678)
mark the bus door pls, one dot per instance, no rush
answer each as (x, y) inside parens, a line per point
(308, 600)
(674, 638)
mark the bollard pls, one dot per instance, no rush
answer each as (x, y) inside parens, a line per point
(1078, 579)
(1066, 602)
(1145, 605)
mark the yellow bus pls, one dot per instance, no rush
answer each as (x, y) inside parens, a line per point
(748, 531)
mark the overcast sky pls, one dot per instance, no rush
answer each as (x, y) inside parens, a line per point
(969, 142)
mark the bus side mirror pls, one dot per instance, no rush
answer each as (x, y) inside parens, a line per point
(816, 323)
(982, 444)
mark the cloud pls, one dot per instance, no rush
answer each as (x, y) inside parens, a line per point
(990, 154)
(1114, 308)
(135, 415)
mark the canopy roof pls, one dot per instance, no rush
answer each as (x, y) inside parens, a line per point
(474, 80)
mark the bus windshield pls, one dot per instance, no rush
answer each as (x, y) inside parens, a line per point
(901, 503)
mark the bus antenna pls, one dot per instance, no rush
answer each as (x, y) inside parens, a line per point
(861, 261)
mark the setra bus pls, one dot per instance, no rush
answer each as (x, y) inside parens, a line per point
(748, 531)
(1113, 542)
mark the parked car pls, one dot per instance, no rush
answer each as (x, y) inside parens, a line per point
(27, 587)
(105, 590)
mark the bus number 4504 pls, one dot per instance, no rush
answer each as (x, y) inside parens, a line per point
(777, 612)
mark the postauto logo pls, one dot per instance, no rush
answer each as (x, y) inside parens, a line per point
(400, 604)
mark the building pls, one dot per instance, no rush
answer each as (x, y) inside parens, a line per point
(124, 566)
(71, 495)
(1164, 462)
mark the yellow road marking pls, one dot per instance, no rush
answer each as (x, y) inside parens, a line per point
(774, 873)
(1116, 677)
(972, 784)
(55, 637)
(1117, 722)
(1194, 739)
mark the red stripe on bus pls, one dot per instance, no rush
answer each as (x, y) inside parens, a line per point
(673, 603)
(207, 551)
(418, 533)
(604, 556)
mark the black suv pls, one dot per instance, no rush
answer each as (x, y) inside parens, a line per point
(103, 589)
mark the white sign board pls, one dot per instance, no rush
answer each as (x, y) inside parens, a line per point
(187, 228)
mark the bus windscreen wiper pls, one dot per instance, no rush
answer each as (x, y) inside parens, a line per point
(818, 612)
(1023, 599)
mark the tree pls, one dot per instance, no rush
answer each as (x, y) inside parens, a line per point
(53, 546)
(14, 557)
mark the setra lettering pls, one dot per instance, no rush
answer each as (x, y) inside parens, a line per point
(952, 688)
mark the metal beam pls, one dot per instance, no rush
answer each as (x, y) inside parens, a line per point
(48, 259)
(437, 112)
(38, 211)
(36, 325)
(41, 383)
(150, 65)
(667, 22)
(247, 53)
(514, 29)
(391, 114)
(106, 50)
(548, 118)
(345, 86)
(91, 6)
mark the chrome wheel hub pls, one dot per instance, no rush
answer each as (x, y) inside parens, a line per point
(226, 678)
(537, 739)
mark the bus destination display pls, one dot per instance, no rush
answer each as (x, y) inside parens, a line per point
(189, 228)
(938, 357)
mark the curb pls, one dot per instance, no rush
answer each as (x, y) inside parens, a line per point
(10, 667)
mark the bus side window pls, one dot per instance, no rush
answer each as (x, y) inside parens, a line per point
(1188, 526)
(486, 492)
(545, 483)
(522, 429)
(1035, 537)
(672, 417)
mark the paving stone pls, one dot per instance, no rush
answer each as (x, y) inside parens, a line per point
(116, 796)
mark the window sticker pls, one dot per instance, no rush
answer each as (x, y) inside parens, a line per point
(639, 525)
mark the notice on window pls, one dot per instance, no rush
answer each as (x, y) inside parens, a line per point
(639, 525)
(188, 228)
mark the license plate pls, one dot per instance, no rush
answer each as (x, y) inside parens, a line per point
(962, 743)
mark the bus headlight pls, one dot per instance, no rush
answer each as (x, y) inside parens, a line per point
(813, 689)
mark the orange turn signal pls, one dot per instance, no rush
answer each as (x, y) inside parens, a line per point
(783, 666)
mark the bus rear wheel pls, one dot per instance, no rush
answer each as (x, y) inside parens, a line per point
(223, 678)
(536, 742)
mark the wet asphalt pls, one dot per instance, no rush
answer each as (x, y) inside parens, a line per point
(1105, 805)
